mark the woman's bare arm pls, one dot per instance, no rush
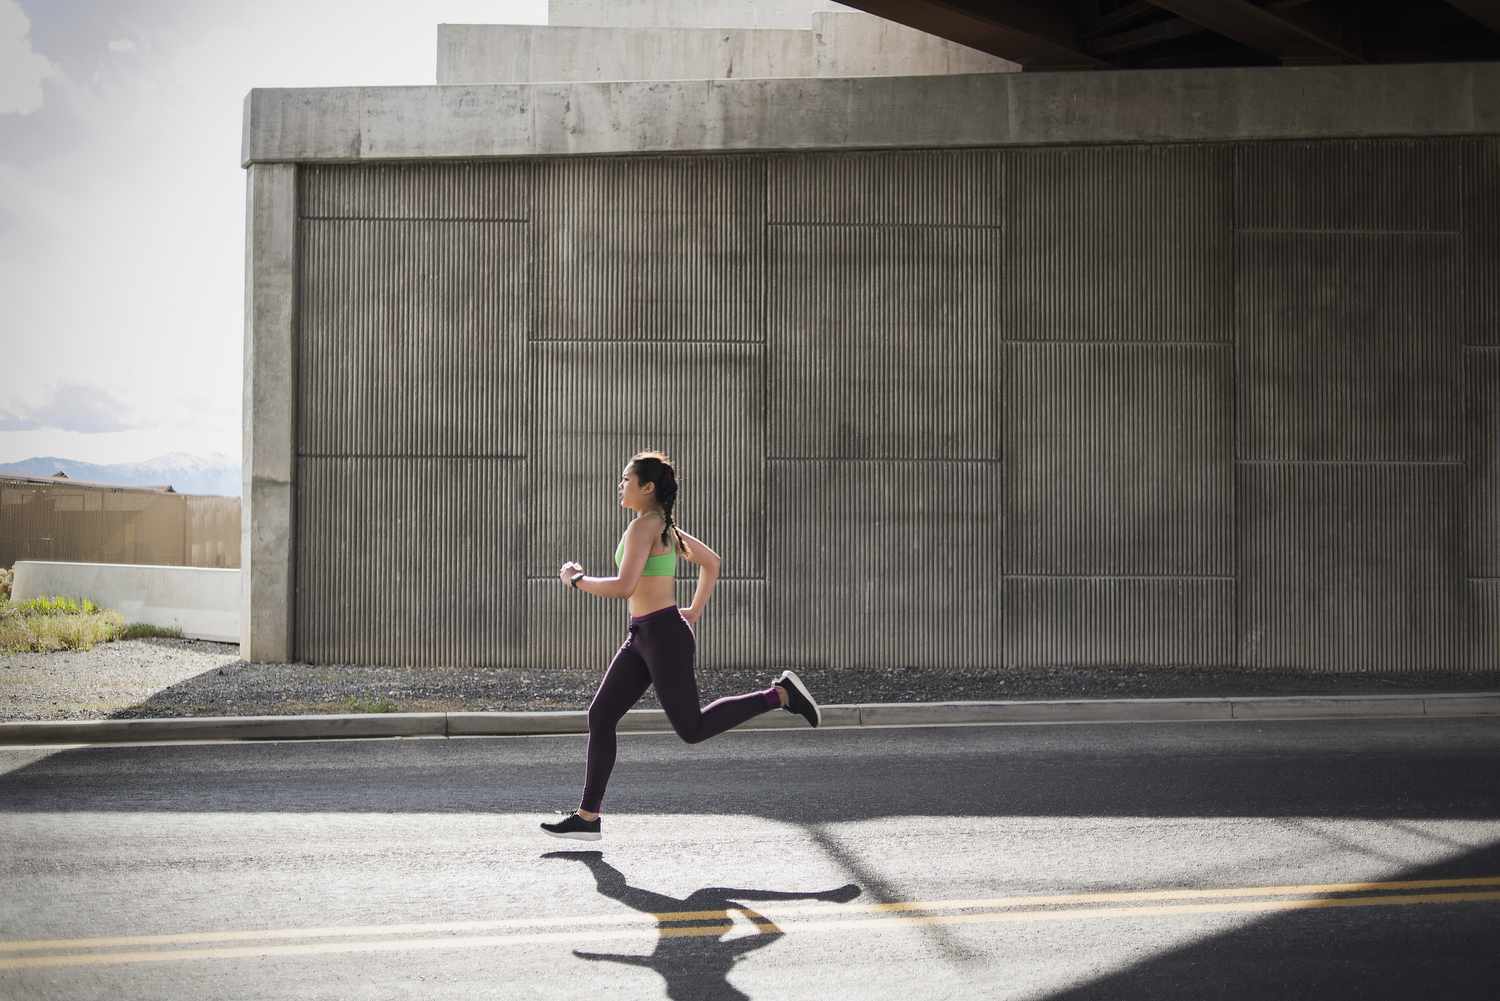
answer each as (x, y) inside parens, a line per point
(708, 563)
(698, 551)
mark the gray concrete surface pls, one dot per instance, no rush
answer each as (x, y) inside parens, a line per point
(459, 724)
(981, 109)
(1334, 860)
(864, 45)
(837, 45)
(507, 53)
(688, 13)
(270, 415)
(203, 602)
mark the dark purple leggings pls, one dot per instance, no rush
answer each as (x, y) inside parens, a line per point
(658, 650)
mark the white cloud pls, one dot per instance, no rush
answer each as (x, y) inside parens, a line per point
(21, 70)
(86, 409)
(122, 254)
(121, 45)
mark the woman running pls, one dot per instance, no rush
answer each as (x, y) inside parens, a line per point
(659, 645)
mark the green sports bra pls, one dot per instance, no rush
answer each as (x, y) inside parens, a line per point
(664, 565)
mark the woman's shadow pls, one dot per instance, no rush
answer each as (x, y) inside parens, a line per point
(691, 955)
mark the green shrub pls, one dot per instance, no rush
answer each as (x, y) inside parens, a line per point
(145, 630)
(7, 578)
(59, 604)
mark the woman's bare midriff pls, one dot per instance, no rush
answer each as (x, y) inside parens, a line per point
(655, 593)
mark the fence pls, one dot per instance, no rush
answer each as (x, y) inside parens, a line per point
(90, 523)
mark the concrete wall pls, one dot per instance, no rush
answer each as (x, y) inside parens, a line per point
(340, 124)
(203, 602)
(502, 53)
(864, 45)
(1152, 404)
(688, 13)
(837, 45)
(1226, 401)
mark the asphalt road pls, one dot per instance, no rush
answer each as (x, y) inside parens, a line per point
(1328, 859)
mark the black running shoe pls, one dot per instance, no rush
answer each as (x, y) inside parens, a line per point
(798, 699)
(575, 828)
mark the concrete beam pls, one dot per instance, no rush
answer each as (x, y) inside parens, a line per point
(1486, 12)
(267, 578)
(1034, 35)
(1282, 34)
(985, 109)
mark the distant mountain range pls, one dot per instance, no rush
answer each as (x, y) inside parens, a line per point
(215, 473)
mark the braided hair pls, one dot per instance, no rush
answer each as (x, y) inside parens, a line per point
(653, 466)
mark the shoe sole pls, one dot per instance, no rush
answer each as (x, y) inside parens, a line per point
(577, 836)
(791, 676)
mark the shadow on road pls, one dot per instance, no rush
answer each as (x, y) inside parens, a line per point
(691, 955)
(1425, 951)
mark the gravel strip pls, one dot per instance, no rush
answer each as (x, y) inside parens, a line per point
(109, 679)
(160, 677)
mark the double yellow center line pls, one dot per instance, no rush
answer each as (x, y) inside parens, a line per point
(1111, 905)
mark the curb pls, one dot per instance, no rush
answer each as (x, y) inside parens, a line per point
(497, 724)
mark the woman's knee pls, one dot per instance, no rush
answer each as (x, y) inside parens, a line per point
(603, 718)
(691, 731)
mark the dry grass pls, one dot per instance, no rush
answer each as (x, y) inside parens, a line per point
(43, 625)
(42, 632)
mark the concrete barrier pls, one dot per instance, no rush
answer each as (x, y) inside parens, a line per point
(476, 724)
(203, 602)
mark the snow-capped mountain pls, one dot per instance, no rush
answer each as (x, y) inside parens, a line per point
(215, 473)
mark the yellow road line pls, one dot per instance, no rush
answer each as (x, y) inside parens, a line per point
(769, 908)
(877, 924)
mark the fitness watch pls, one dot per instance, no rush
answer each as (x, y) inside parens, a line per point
(573, 581)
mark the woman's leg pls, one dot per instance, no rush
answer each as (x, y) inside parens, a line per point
(668, 647)
(624, 683)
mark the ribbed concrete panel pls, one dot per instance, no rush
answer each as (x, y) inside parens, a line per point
(1119, 621)
(643, 248)
(1382, 184)
(907, 187)
(1481, 236)
(595, 405)
(1119, 243)
(1482, 462)
(1349, 567)
(412, 338)
(1348, 346)
(1482, 608)
(1120, 459)
(462, 190)
(568, 629)
(882, 342)
(410, 561)
(881, 564)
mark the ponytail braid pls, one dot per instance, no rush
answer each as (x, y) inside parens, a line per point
(654, 467)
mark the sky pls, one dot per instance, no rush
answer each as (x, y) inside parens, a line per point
(122, 200)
